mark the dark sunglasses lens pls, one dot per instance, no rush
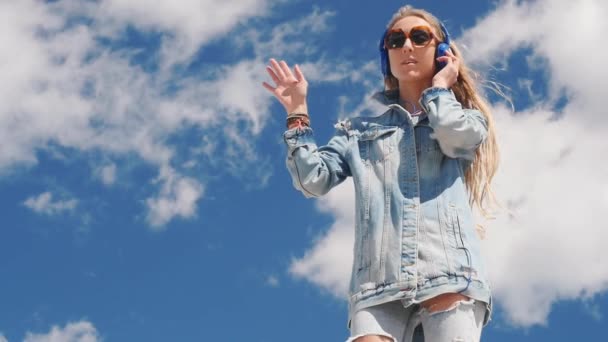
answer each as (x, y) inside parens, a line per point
(420, 37)
(395, 40)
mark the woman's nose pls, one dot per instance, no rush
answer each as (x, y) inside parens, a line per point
(407, 46)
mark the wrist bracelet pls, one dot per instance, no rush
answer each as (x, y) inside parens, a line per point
(298, 121)
(297, 115)
(295, 119)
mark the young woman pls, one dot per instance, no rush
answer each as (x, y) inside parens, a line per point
(418, 169)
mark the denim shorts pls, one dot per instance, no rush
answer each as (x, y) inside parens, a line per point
(463, 322)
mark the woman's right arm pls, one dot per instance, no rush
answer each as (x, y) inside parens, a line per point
(314, 170)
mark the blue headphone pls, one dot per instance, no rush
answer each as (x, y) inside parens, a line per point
(441, 50)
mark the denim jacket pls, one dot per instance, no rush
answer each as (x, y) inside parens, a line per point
(414, 232)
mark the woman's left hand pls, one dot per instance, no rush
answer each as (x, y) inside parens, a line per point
(448, 75)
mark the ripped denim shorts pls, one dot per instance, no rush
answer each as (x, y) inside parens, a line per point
(461, 323)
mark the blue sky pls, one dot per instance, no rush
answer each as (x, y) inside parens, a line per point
(144, 194)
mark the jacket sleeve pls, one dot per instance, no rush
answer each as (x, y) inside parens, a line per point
(316, 170)
(458, 131)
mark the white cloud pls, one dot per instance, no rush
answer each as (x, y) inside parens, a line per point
(286, 38)
(272, 281)
(552, 175)
(178, 197)
(64, 88)
(82, 331)
(593, 309)
(184, 25)
(326, 71)
(44, 204)
(107, 174)
(2, 338)
(550, 249)
(243, 81)
(571, 56)
(327, 263)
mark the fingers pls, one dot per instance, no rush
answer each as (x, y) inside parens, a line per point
(283, 77)
(277, 69)
(286, 71)
(452, 58)
(448, 75)
(274, 91)
(448, 58)
(269, 87)
(299, 74)
(444, 59)
(273, 75)
(451, 61)
(280, 72)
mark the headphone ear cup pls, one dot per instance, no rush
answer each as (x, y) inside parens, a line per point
(384, 63)
(386, 67)
(441, 51)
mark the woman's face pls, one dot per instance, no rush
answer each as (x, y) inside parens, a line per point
(413, 63)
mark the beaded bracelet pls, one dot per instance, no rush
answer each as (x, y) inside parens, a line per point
(299, 121)
(303, 117)
(298, 115)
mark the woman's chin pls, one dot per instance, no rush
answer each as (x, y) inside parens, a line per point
(410, 76)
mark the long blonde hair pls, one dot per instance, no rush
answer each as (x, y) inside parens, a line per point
(478, 177)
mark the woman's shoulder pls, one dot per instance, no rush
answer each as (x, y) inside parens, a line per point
(363, 123)
(379, 113)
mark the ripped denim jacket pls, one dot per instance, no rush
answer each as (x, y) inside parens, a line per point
(414, 233)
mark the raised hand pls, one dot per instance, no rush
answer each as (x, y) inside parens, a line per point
(289, 89)
(447, 76)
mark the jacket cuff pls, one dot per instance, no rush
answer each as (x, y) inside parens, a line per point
(298, 137)
(429, 94)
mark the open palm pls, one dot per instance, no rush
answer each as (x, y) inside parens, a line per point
(290, 88)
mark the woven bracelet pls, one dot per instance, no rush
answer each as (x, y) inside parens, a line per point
(298, 115)
(300, 121)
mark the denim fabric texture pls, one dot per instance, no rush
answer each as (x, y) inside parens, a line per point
(415, 237)
(461, 323)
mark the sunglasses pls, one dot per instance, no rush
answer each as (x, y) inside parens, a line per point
(420, 36)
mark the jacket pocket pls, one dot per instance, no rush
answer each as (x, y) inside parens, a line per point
(377, 143)
(461, 253)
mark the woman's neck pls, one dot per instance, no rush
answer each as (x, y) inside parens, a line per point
(409, 94)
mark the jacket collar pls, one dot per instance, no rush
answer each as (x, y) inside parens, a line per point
(390, 98)
(387, 97)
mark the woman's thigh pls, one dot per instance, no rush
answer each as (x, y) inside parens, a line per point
(461, 322)
(387, 320)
